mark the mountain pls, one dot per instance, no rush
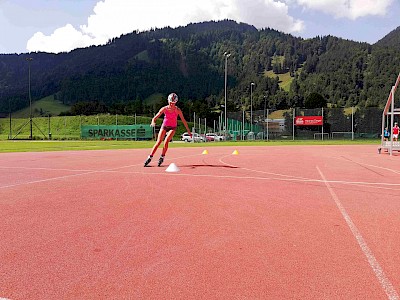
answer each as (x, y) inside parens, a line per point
(391, 40)
(189, 60)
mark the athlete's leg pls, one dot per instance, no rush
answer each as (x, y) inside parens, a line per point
(169, 137)
(160, 138)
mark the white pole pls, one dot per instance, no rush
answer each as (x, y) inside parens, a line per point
(392, 122)
(116, 122)
(194, 126)
(243, 124)
(135, 129)
(251, 106)
(294, 115)
(267, 124)
(322, 114)
(352, 123)
(205, 129)
(226, 80)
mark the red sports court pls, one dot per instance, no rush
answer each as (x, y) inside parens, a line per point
(288, 222)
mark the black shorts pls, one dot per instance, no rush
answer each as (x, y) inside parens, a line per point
(168, 128)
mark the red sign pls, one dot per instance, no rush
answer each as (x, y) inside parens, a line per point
(308, 121)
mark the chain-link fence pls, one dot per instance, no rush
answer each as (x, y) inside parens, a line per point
(73, 127)
(268, 124)
(298, 123)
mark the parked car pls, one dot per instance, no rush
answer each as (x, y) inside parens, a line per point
(195, 136)
(210, 137)
(214, 137)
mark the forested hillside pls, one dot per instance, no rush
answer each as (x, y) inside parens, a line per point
(190, 61)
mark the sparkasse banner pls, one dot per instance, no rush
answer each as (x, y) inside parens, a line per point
(126, 132)
(308, 121)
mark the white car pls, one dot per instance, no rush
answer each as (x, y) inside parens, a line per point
(214, 137)
(195, 136)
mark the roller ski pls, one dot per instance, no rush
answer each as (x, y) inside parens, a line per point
(160, 161)
(148, 160)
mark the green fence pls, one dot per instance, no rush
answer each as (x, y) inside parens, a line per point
(338, 123)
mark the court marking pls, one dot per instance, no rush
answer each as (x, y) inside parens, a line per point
(368, 165)
(377, 185)
(374, 264)
(289, 178)
(391, 292)
(262, 172)
(298, 177)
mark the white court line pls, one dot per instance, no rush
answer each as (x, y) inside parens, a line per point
(113, 170)
(305, 179)
(374, 264)
(45, 180)
(154, 160)
(45, 169)
(262, 172)
(378, 185)
(368, 165)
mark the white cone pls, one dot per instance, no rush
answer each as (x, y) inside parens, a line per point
(172, 168)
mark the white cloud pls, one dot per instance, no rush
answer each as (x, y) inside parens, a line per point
(111, 18)
(63, 39)
(351, 9)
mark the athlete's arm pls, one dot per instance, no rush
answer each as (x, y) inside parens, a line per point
(160, 112)
(184, 121)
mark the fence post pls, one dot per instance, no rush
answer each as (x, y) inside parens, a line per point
(294, 115)
(267, 124)
(322, 114)
(352, 123)
(10, 134)
(243, 124)
(135, 129)
(49, 129)
(80, 127)
(205, 127)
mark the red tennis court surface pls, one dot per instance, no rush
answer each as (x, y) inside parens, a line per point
(301, 222)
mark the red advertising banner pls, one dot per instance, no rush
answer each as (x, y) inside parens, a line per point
(308, 121)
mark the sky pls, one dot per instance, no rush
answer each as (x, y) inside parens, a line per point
(56, 26)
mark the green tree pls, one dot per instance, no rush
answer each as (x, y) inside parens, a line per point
(315, 100)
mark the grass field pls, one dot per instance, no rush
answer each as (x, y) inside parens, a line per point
(66, 127)
(43, 107)
(41, 146)
(49, 106)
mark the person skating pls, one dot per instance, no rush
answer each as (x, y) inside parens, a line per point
(168, 127)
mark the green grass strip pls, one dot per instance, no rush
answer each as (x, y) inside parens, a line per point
(41, 146)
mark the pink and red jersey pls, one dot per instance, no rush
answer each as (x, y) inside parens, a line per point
(170, 117)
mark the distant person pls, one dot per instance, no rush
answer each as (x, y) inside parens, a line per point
(168, 127)
(386, 134)
(395, 132)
